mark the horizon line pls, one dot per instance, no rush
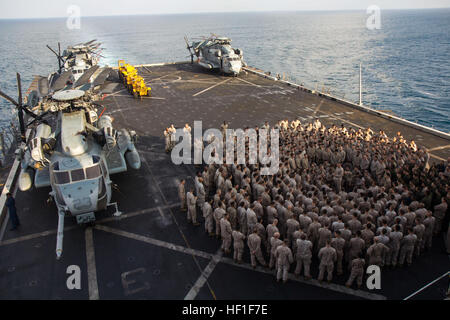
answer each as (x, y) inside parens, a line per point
(216, 12)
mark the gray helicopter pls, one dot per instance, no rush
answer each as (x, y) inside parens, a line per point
(75, 65)
(216, 52)
(74, 151)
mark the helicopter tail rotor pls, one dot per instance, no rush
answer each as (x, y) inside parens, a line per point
(21, 109)
(189, 48)
(58, 55)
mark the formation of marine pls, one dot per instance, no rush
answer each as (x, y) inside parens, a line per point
(350, 198)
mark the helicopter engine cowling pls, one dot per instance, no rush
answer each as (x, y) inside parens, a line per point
(110, 134)
(26, 179)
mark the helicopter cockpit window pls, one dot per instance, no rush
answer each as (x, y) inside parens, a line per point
(62, 177)
(77, 175)
(93, 172)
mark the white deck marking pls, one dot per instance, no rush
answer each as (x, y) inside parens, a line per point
(91, 267)
(144, 160)
(313, 282)
(196, 81)
(256, 85)
(147, 69)
(436, 157)
(115, 92)
(160, 81)
(343, 120)
(439, 148)
(426, 286)
(131, 96)
(108, 219)
(155, 242)
(156, 98)
(137, 213)
(209, 88)
(178, 248)
(34, 236)
(166, 75)
(204, 277)
(318, 107)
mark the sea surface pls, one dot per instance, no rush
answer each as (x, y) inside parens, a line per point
(405, 63)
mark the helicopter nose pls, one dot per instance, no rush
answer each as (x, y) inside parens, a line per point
(235, 69)
(83, 203)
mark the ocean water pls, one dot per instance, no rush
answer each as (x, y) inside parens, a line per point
(406, 65)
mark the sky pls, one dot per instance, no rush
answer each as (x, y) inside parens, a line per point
(13, 9)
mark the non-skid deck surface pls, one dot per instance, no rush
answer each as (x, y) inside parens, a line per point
(151, 252)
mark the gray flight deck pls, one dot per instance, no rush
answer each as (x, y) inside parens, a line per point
(151, 252)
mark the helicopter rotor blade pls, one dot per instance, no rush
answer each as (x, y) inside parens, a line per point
(94, 46)
(23, 108)
(19, 89)
(60, 59)
(20, 109)
(60, 82)
(39, 118)
(15, 103)
(56, 54)
(6, 97)
(89, 42)
(33, 115)
(59, 55)
(191, 54)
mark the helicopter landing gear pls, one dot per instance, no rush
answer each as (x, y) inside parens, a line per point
(117, 213)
